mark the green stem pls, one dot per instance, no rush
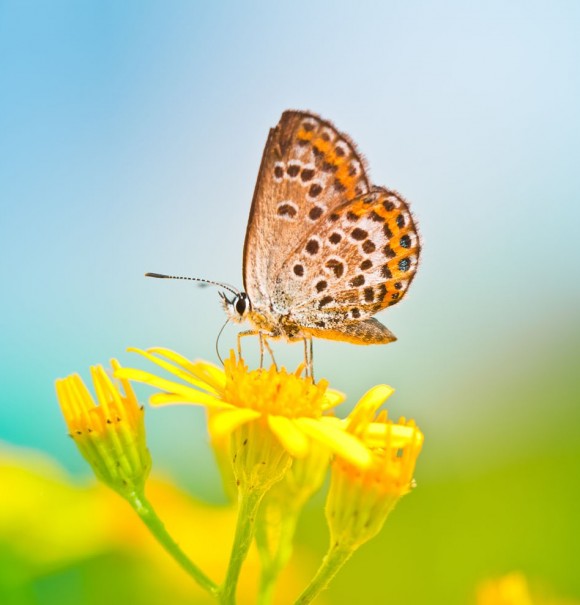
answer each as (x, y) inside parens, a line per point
(266, 593)
(275, 556)
(335, 558)
(148, 515)
(245, 526)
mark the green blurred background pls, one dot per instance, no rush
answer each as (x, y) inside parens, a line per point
(130, 140)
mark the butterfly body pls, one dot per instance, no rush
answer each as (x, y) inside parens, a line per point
(325, 250)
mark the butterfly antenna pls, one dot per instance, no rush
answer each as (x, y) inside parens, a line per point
(202, 282)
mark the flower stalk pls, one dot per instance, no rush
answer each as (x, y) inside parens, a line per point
(360, 499)
(274, 561)
(248, 505)
(259, 461)
(147, 514)
(110, 435)
(279, 515)
(332, 563)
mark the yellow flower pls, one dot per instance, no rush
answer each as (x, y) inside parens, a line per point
(50, 521)
(111, 434)
(360, 500)
(285, 405)
(272, 417)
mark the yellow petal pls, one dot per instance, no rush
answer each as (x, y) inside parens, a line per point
(200, 369)
(106, 391)
(127, 389)
(364, 411)
(223, 423)
(212, 374)
(340, 442)
(377, 434)
(175, 399)
(188, 394)
(332, 398)
(289, 435)
(177, 358)
(375, 397)
(335, 421)
(174, 370)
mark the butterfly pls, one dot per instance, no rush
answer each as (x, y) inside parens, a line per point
(325, 250)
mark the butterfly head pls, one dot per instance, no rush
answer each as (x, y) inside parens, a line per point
(237, 307)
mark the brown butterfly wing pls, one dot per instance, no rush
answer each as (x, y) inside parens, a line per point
(308, 168)
(362, 260)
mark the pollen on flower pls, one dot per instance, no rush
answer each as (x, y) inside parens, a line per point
(286, 404)
(273, 391)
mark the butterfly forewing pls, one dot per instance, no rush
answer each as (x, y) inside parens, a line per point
(308, 169)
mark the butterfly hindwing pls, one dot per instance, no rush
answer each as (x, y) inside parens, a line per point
(362, 260)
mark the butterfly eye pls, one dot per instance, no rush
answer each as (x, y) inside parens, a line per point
(242, 303)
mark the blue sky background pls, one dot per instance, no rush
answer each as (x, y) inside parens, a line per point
(130, 140)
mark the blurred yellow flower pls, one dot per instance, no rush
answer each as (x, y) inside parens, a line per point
(514, 589)
(511, 589)
(109, 434)
(54, 530)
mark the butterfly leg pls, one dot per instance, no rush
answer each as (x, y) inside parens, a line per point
(309, 356)
(264, 344)
(269, 349)
(261, 340)
(247, 333)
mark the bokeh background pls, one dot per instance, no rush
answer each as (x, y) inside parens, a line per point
(130, 139)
